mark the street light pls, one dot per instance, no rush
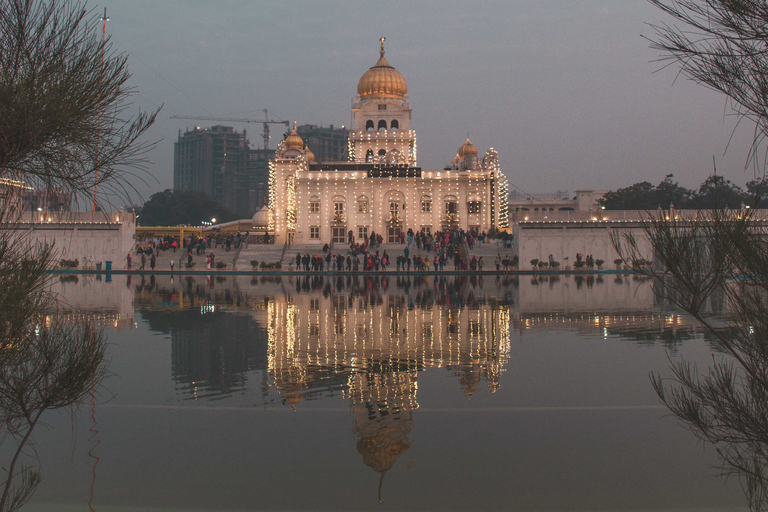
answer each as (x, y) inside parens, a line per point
(213, 220)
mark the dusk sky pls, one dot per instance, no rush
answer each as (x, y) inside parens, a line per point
(567, 91)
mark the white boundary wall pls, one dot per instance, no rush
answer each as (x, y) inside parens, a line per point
(90, 237)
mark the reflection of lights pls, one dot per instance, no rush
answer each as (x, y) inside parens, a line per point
(207, 308)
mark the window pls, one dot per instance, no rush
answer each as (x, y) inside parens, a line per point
(362, 205)
(369, 153)
(383, 107)
(369, 125)
(394, 125)
(362, 232)
(426, 204)
(451, 207)
(338, 208)
(314, 207)
(314, 232)
(394, 207)
(427, 230)
(474, 206)
(382, 125)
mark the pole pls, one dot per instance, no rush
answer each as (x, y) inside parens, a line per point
(104, 20)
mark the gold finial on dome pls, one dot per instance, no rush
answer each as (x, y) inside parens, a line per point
(382, 80)
(293, 141)
(467, 149)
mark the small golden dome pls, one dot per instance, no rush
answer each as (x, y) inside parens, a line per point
(467, 149)
(293, 141)
(382, 81)
(310, 154)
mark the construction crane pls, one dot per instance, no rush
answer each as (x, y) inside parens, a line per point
(266, 122)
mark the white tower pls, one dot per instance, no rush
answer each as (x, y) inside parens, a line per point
(382, 117)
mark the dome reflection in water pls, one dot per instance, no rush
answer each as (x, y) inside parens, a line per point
(450, 392)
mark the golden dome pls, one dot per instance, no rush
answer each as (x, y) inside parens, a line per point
(310, 154)
(467, 149)
(293, 141)
(382, 81)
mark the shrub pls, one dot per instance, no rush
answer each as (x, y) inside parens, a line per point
(534, 262)
(578, 264)
(69, 263)
(189, 265)
(618, 261)
(599, 263)
(221, 264)
(555, 264)
(254, 263)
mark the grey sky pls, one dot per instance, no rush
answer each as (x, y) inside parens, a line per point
(565, 90)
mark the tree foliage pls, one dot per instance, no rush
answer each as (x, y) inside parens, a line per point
(64, 126)
(174, 207)
(64, 100)
(714, 192)
(723, 45)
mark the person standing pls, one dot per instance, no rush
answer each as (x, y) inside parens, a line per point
(128, 260)
(143, 261)
(171, 264)
(152, 261)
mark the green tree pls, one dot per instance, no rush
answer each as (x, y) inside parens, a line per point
(634, 197)
(717, 192)
(64, 126)
(174, 207)
(644, 196)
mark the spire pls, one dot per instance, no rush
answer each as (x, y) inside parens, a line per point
(382, 39)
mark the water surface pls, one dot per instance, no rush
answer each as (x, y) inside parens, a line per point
(233, 393)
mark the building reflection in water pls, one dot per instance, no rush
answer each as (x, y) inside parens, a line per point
(367, 339)
(371, 350)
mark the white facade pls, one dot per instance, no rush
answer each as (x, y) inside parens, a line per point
(381, 189)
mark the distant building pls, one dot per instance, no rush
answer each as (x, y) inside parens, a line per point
(213, 161)
(257, 176)
(17, 196)
(562, 201)
(328, 144)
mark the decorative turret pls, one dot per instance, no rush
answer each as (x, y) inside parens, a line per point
(467, 156)
(293, 141)
(310, 154)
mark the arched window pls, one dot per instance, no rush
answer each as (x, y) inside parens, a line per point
(314, 204)
(382, 155)
(382, 125)
(369, 156)
(394, 125)
(362, 204)
(369, 125)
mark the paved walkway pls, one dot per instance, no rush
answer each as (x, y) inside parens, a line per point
(239, 259)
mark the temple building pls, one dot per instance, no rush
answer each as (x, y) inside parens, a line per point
(380, 188)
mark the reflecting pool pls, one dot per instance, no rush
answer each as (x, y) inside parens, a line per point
(326, 393)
